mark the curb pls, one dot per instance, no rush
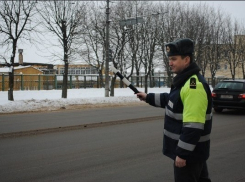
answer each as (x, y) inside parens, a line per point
(76, 127)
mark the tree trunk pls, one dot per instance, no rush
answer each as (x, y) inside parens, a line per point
(146, 83)
(11, 73)
(243, 72)
(11, 86)
(65, 43)
(113, 80)
(102, 85)
(65, 80)
(213, 81)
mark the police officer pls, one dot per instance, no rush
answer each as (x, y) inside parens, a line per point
(188, 114)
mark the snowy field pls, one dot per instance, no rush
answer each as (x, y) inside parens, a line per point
(25, 101)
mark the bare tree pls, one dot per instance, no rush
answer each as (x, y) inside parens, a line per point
(232, 47)
(213, 47)
(120, 54)
(93, 51)
(242, 52)
(199, 31)
(121, 37)
(167, 31)
(15, 24)
(136, 49)
(63, 19)
(131, 60)
(147, 48)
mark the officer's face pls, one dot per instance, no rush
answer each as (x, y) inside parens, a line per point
(178, 64)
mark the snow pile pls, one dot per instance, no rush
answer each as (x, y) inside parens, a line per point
(51, 99)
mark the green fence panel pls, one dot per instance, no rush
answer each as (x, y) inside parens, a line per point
(54, 81)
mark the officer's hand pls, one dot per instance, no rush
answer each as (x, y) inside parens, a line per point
(180, 162)
(141, 96)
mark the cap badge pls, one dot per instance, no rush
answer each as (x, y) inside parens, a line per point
(167, 49)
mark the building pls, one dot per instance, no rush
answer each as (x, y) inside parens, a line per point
(76, 69)
(26, 78)
(79, 76)
(228, 58)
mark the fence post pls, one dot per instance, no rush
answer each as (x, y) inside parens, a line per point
(47, 79)
(39, 82)
(97, 81)
(70, 81)
(3, 84)
(21, 82)
(141, 81)
(55, 82)
(84, 81)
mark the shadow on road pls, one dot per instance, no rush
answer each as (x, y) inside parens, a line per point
(231, 112)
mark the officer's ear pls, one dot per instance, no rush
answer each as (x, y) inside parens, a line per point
(187, 59)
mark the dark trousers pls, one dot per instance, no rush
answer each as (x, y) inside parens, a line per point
(192, 172)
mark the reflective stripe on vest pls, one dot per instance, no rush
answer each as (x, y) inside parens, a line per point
(179, 116)
(194, 125)
(176, 136)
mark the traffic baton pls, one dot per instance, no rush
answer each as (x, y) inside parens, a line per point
(124, 79)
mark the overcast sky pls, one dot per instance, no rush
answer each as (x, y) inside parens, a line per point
(235, 8)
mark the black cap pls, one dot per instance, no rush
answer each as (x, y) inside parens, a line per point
(183, 46)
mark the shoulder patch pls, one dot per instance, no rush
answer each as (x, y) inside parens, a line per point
(193, 83)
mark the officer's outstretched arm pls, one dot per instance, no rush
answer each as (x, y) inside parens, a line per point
(157, 99)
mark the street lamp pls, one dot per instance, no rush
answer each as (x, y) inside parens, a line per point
(124, 24)
(107, 50)
(137, 19)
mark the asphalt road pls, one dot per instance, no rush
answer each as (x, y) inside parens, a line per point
(63, 118)
(129, 152)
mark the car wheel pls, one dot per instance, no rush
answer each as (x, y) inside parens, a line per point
(217, 109)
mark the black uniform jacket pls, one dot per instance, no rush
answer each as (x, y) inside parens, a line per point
(188, 140)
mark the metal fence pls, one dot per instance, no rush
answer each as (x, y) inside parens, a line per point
(50, 82)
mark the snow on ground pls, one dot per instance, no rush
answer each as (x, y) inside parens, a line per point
(51, 99)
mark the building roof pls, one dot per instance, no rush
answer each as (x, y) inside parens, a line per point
(4, 70)
(7, 69)
(28, 64)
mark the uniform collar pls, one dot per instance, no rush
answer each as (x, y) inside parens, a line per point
(182, 77)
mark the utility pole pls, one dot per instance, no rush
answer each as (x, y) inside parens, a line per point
(107, 46)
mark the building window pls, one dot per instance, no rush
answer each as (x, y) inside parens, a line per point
(72, 71)
(88, 71)
(62, 70)
(93, 71)
(78, 71)
(82, 71)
